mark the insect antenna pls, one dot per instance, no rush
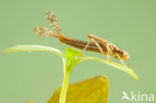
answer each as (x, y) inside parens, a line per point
(53, 21)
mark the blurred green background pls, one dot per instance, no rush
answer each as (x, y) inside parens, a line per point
(130, 24)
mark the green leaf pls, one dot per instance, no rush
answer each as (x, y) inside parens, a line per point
(73, 57)
(113, 64)
(30, 48)
(72, 53)
(93, 90)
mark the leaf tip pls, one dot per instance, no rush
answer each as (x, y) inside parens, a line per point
(9, 50)
(6, 50)
(137, 78)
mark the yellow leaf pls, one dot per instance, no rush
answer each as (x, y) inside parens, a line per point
(93, 90)
(31, 102)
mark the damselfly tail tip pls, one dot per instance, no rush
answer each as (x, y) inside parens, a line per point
(36, 29)
(48, 13)
(51, 18)
(41, 30)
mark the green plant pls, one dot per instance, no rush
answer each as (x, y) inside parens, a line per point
(70, 60)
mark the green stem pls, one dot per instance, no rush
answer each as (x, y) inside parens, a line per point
(65, 86)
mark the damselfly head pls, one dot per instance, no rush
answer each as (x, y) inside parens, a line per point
(123, 55)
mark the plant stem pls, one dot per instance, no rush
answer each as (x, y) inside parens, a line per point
(64, 86)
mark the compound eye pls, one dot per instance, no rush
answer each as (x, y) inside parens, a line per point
(122, 53)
